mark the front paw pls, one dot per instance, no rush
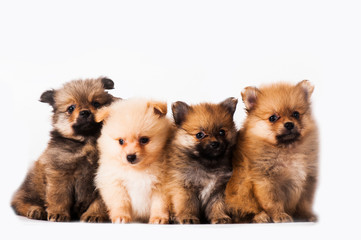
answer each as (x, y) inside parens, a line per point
(282, 218)
(94, 218)
(121, 219)
(58, 217)
(261, 217)
(36, 212)
(222, 220)
(159, 220)
(187, 220)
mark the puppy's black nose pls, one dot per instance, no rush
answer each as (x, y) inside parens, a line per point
(131, 158)
(289, 125)
(214, 144)
(85, 113)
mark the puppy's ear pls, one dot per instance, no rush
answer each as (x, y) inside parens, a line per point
(180, 111)
(159, 108)
(249, 97)
(102, 114)
(107, 83)
(307, 88)
(230, 104)
(48, 97)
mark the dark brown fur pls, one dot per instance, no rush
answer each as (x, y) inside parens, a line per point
(199, 172)
(274, 168)
(60, 185)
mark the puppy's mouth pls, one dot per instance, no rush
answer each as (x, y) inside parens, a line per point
(288, 137)
(86, 127)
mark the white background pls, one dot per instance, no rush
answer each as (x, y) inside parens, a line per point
(191, 51)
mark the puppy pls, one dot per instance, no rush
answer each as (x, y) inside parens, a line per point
(59, 187)
(131, 174)
(275, 164)
(200, 161)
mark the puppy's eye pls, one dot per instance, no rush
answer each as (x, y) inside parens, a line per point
(71, 109)
(296, 114)
(273, 118)
(222, 132)
(96, 104)
(200, 135)
(121, 141)
(143, 140)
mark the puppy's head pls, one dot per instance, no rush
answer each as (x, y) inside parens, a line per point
(135, 131)
(75, 104)
(280, 114)
(206, 132)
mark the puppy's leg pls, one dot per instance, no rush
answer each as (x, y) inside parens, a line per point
(271, 200)
(186, 206)
(159, 212)
(96, 212)
(118, 202)
(28, 200)
(59, 195)
(240, 200)
(304, 207)
(216, 210)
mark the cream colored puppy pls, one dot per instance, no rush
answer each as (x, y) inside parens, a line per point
(132, 164)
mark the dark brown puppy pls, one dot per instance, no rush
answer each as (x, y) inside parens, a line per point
(275, 163)
(200, 161)
(60, 187)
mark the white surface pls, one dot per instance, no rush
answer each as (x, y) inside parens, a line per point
(192, 51)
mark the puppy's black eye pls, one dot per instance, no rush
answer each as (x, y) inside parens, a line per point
(143, 140)
(96, 104)
(200, 135)
(121, 141)
(273, 118)
(222, 132)
(296, 114)
(71, 109)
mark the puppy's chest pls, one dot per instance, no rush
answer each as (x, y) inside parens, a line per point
(283, 166)
(140, 186)
(206, 183)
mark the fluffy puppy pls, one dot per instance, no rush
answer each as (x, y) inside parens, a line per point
(59, 186)
(131, 174)
(275, 164)
(200, 161)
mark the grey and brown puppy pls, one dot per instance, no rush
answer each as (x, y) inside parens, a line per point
(200, 161)
(59, 186)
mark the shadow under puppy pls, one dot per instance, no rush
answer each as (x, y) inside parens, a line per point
(60, 185)
(275, 164)
(131, 174)
(200, 161)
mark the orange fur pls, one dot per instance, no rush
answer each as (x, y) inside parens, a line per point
(275, 169)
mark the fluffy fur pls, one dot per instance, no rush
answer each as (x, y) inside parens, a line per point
(275, 163)
(131, 174)
(200, 161)
(59, 186)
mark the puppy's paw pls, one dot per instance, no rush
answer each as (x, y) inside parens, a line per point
(58, 217)
(187, 220)
(94, 218)
(222, 220)
(282, 218)
(261, 217)
(159, 220)
(36, 212)
(121, 219)
(312, 218)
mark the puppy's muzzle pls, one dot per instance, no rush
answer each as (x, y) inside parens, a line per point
(85, 114)
(132, 158)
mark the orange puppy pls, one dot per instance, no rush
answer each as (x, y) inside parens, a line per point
(275, 164)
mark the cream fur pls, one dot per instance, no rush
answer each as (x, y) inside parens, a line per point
(133, 192)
